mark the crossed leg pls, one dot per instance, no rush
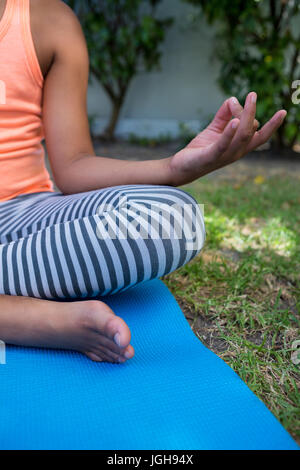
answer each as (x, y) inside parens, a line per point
(53, 248)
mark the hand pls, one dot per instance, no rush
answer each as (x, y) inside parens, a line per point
(224, 141)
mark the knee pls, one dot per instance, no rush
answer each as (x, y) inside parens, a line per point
(191, 221)
(176, 214)
(165, 212)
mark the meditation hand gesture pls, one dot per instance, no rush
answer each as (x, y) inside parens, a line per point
(224, 141)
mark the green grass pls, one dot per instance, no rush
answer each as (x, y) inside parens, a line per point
(242, 294)
(145, 141)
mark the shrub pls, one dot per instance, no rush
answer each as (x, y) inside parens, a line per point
(123, 38)
(258, 45)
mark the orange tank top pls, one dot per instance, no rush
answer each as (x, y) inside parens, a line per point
(22, 159)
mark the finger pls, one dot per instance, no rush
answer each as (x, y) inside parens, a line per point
(223, 143)
(249, 112)
(267, 130)
(246, 128)
(237, 109)
(222, 117)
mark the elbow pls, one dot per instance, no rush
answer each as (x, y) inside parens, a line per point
(69, 177)
(64, 183)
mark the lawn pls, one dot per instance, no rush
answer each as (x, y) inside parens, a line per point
(241, 295)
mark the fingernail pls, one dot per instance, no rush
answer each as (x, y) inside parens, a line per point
(117, 339)
(127, 355)
(284, 115)
(234, 124)
(254, 98)
(234, 100)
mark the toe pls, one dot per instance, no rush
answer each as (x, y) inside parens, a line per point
(107, 353)
(103, 320)
(129, 352)
(94, 357)
(107, 335)
(109, 344)
(118, 331)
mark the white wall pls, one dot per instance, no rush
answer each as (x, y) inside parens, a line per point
(184, 90)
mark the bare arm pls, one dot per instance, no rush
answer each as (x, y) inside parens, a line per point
(71, 153)
(75, 166)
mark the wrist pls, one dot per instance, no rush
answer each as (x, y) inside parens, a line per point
(158, 172)
(178, 175)
(185, 169)
(167, 171)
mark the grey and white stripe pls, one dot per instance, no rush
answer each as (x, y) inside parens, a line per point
(50, 246)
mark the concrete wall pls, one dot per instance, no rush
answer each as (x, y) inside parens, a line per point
(185, 90)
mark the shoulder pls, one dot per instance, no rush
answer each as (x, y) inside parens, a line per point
(57, 30)
(57, 11)
(56, 20)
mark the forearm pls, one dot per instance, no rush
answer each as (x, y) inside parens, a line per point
(89, 173)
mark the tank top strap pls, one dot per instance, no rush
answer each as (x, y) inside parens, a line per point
(23, 7)
(6, 20)
(22, 166)
(16, 20)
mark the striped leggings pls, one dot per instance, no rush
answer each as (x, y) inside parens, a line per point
(55, 246)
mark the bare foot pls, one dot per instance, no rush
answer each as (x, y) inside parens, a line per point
(89, 327)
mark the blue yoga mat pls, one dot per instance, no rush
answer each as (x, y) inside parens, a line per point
(175, 394)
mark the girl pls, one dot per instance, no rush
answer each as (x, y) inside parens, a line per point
(51, 246)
